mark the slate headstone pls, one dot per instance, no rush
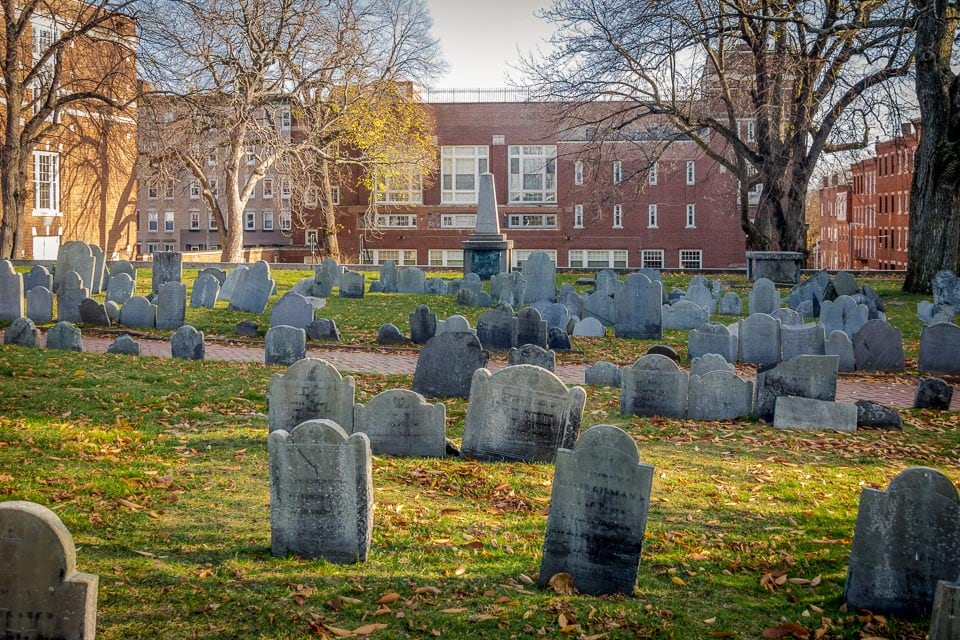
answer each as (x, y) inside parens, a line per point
(352, 285)
(638, 308)
(569, 298)
(803, 339)
(845, 284)
(167, 267)
(310, 389)
(435, 286)
(946, 289)
(701, 295)
(759, 339)
(558, 340)
(69, 296)
(540, 273)
(22, 333)
(472, 282)
(654, 386)
(64, 337)
(230, 283)
(400, 422)
(589, 328)
(712, 338)
(122, 266)
(556, 315)
(787, 317)
(663, 350)
(171, 305)
(599, 306)
(74, 256)
(534, 355)
(412, 280)
(874, 415)
(326, 277)
(839, 344)
(446, 364)
(939, 348)
(187, 343)
(99, 281)
(323, 329)
(454, 324)
(11, 292)
(389, 277)
(216, 272)
(284, 344)
(813, 377)
(791, 412)
(933, 393)
(248, 329)
(528, 328)
(40, 305)
(495, 328)
(120, 288)
(206, 290)
(843, 314)
(929, 313)
(603, 374)
(253, 289)
(94, 313)
(508, 287)
(124, 345)
(423, 324)
(719, 395)
(607, 282)
(293, 310)
(877, 346)
(38, 276)
(731, 304)
(390, 334)
(684, 314)
(763, 297)
(466, 298)
(702, 365)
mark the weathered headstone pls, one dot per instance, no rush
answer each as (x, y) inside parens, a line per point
(946, 289)
(944, 618)
(702, 365)
(929, 313)
(326, 277)
(598, 513)
(839, 344)
(187, 343)
(701, 295)
(74, 256)
(39, 305)
(558, 340)
(845, 284)
(122, 266)
(603, 374)
(712, 338)
(556, 315)
(607, 282)
(878, 347)
(654, 386)
(284, 345)
(352, 285)
(171, 305)
(69, 296)
(248, 329)
(454, 324)
(787, 317)
(310, 389)
(940, 348)
(809, 290)
(167, 267)
(529, 328)
(412, 280)
(731, 304)
(446, 364)
(792, 412)
(435, 286)
(813, 377)
(877, 416)
(64, 337)
(933, 393)
(589, 328)
(508, 288)
(376, 286)
(423, 324)
(38, 276)
(569, 298)
(124, 345)
(11, 292)
(99, 281)
(216, 272)
(719, 395)
(230, 283)
(321, 492)
(472, 282)
(323, 329)
(253, 289)
(663, 350)
(495, 328)
(906, 539)
(638, 308)
(400, 422)
(684, 314)
(803, 339)
(520, 413)
(389, 278)
(390, 334)
(93, 313)
(534, 355)
(206, 290)
(43, 596)
(540, 273)
(22, 333)
(600, 306)
(466, 298)
(120, 288)
(764, 297)
(843, 314)
(759, 342)
(293, 310)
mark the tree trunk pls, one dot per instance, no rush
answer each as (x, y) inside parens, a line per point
(13, 183)
(328, 222)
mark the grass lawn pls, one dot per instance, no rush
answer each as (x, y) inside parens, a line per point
(159, 470)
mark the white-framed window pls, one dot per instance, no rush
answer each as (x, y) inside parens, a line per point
(400, 256)
(153, 247)
(598, 258)
(532, 221)
(214, 186)
(153, 221)
(212, 157)
(285, 120)
(211, 221)
(652, 174)
(691, 172)
(249, 221)
(266, 188)
(194, 190)
(312, 238)
(460, 169)
(46, 183)
(153, 190)
(397, 221)
(691, 216)
(652, 216)
(446, 257)
(169, 246)
(578, 216)
(168, 221)
(267, 220)
(618, 216)
(842, 206)
(617, 172)
(194, 220)
(335, 195)
(400, 189)
(44, 33)
(747, 129)
(519, 256)
(578, 172)
(286, 222)
(310, 196)
(458, 221)
(285, 188)
(169, 187)
(651, 258)
(250, 155)
(533, 173)
(691, 258)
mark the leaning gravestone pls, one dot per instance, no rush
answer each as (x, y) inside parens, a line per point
(412, 280)
(93, 313)
(206, 289)
(187, 343)
(558, 340)
(540, 273)
(939, 348)
(495, 328)
(74, 256)
(323, 329)
(120, 288)
(532, 354)
(508, 287)
(684, 314)
(556, 315)
(253, 289)
(99, 269)
(423, 324)
(167, 267)
(124, 345)
(352, 285)
(293, 310)
(878, 347)
(400, 422)
(310, 389)
(759, 339)
(284, 345)
(390, 334)
(638, 308)
(843, 314)
(42, 595)
(38, 276)
(719, 395)
(839, 344)
(598, 513)
(171, 305)
(447, 363)
(812, 377)
(389, 279)
(522, 413)
(599, 306)
(138, 312)
(764, 297)
(22, 333)
(845, 284)
(654, 386)
(731, 304)
(800, 340)
(712, 338)
(230, 283)
(326, 277)
(702, 365)
(321, 492)
(64, 337)
(529, 328)
(11, 292)
(791, 412)
(216, 272)
(435, 286)
(603, 374)
(69, 296)
(906, 539)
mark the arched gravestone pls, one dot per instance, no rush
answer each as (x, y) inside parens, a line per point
(42, 595)
(252, 289)
(293, 310)
(120, 288)
(447, 363)
(11, 292)
(940, 348)
(906, 539)
(400, 422)
(540, 274)
(598, 513)
(69, 295)
(763, 297)
(638, 308)
(321, 492)
(74, 256)
(206, 289)
(522, 413)
(310, 389)
(719, 395)
(65, 337)
(40, 305)
(654, 386)
(423, 324)
(187, 343)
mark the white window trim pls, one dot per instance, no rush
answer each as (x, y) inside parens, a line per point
(652, 217)
(267, 220)
(530, 221)
(691, 172)
(193, 219)
(153, 219)
(618, 216)
(582, 258)
(51, 189)
(578, 172)
(680, 259)
(691, 218)
(458, 221)
(578, 216)
(445, 257)
(652, 174)
(249, 220)
(617, 172)
(169, 221)
(266, 188)
(644, 253)
(478, 156)
(546, 156)
(194, 190)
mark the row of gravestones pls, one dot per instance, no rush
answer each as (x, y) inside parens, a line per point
(946, 299)
(186, 342)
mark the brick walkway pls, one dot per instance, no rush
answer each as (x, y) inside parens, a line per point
(897, 392)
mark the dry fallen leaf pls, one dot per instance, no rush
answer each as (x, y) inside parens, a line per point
(340, 633)
(787, 629)
(389, 598)
(678, 580)
(561, 583)
(459, 571)
(430, 590)
(367, 629)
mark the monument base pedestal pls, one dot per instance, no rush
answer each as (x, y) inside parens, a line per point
(782, 267)
(486, 257)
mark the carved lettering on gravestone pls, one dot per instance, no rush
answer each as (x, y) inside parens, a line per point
(495, 328)
(206, 289)
(69, 296)
(654, 386)
(812, 377)
(529, 328)
(400, 422)
(310, 389)
(540, 273)
(65, 337)
(352, 285)
(187, 343)
(120, 288)
(38, 276)
(759, 339)
(719, 395)
(799, 340)
(598, 513)
(230, 283)
(284, 344)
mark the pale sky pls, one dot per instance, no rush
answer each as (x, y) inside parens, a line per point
(480, 39)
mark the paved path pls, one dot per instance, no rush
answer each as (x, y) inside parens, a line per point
(897, 392)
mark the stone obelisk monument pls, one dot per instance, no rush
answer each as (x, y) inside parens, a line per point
(487, 251)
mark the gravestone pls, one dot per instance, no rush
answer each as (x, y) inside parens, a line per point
(843, 314)
(389, 278)
(813, 377)
(528, 328)
(569, 298)
(69, 296)
(874, 415)
(684, 314)
(171, 305)
(944, 618)
(124, 345)
(22, 333)
(230, 283)
(763, 297)
(248, 329)
(638, 308)
(540, 273)
(38, 276)
(787, 317)
(603, 374)
(412, 280)
(845, 284)
(556, 315)
(454, 286)
(839, 344)
(946, 289)
(455, 324)
(310, 389)
(906, 539)
(167, 267)
(93, 313)
(390, 334)
(663, 350)
(607, 282)
(206, 290)
(466, 298)
(472, 282)
(253, 289)
(113, 311)
(435, 286)
(284, 345)
(326, 277)
(40, 305)
(43, 596)
(122, 266)
(933, 393)
(759, 339)
(719, 395)
(120, 288)
(293, 310)
(446, 365)
(399, 422)
(321, 492)
(534, 355)
(11, 292)
(939, 348)
(216, 272)
(323, 329)
(495, 328)
(521, 413)
(712, 338)
(809, 290)
(423, 324)
(701, 295)
(598, 513)
(558, 340)
(589, 328)
(799, 340)
(791, 412)
(508, 287)
(352, 285)
(702, 365)
(731, 304)
(99, 269)
(654, 386)
(64, 337)
(187, 343)
(600, 306)
(878, 347)
(376, 287)
(805, 310)
(929, 313)
(74, 256)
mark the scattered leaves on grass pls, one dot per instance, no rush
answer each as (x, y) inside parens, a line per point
(561, 583)
(786, 629)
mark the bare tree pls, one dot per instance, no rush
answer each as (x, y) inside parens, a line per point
(764, 88)
(277, 87)
(59, 57)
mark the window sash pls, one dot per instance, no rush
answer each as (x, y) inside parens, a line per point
(691, 259)
(578, 216)
(46, 183)
(651, 258)
(533, 173)
(652, 216)
(267, 220)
